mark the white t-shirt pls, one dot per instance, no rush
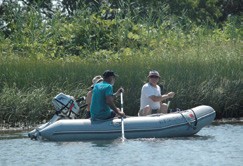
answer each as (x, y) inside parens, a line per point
(147, 91)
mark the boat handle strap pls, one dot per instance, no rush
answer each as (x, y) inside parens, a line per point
(195, 117)
(190, 124)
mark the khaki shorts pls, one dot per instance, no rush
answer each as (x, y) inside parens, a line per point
(141, 112)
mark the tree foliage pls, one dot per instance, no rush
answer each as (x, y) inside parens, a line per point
(49, 28)
(197, 10)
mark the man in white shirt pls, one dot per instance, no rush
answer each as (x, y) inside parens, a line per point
(151, 98)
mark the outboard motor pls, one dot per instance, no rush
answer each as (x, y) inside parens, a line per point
(66, 106)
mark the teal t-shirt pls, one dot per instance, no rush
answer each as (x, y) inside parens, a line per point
(99, 109)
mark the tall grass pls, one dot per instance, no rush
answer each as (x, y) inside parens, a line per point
(208, 74)
(203, 66)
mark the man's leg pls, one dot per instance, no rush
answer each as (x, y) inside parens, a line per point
(145, 111)
(163, 108)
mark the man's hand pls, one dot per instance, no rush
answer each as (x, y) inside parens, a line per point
(118, 111)
(171, 94)
(119, 91)
(122, 114)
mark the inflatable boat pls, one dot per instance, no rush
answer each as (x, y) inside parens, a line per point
(64, 127)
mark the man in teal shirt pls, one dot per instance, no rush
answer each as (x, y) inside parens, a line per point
(102, 104)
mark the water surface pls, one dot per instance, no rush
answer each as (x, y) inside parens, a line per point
(220, 145)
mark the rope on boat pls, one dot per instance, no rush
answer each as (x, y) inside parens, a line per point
(190, 123)
(195, 118)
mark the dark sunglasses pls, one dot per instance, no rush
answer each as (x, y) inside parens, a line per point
(153, 77)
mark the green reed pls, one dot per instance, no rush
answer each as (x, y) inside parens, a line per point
(208, 73)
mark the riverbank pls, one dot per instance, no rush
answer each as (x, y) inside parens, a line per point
(8, 129)
(228, 121)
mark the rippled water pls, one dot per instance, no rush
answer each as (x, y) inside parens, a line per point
(220, 145)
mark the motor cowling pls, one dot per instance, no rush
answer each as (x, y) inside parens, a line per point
(66, 106)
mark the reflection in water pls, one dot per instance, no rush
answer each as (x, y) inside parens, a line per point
(106, 143)
(195, 137)
(102, 143)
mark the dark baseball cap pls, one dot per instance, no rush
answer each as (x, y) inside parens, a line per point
(109, 73)
(154, 73)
